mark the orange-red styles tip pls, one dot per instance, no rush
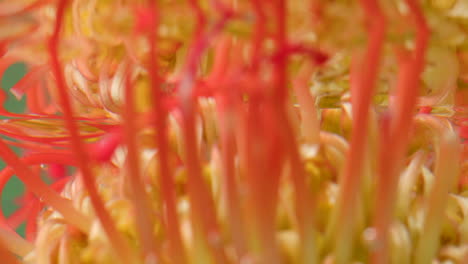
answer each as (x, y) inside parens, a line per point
(238, 131)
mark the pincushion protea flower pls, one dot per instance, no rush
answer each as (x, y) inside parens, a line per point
(240, 131)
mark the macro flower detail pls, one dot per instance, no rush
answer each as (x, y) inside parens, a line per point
(237, 131)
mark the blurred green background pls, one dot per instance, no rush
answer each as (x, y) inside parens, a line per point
(14, 187)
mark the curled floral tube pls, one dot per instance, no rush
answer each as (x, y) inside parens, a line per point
(247, 131)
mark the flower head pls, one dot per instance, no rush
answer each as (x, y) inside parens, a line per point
(237, 131)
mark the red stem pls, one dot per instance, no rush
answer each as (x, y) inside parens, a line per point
(305, 202)
(362, 91)
(171, 221)
(31, 221)
(402, 111)
(143, 211)
(120, 246)
(32, 159)
(39, 188)
(226, 101)
(281, 88)
(202, 209)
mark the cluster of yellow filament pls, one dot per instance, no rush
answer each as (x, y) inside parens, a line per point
(241, 131)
